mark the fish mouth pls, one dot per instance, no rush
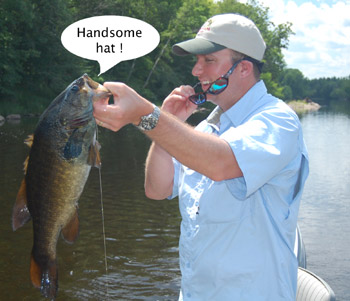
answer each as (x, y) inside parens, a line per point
(100, 92)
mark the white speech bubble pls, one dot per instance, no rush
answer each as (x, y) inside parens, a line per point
(110, 39)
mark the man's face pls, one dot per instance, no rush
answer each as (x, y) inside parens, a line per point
(210, 67)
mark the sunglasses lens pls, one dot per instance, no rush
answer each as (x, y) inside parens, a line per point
(197, 98)
(218, 86)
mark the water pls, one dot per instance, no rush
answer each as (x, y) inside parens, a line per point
(142, 235)
(325, 209)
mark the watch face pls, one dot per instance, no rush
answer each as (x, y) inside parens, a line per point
(150, 121)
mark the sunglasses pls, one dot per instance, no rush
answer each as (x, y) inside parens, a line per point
(218, 86)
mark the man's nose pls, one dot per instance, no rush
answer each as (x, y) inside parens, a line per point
(197, 69)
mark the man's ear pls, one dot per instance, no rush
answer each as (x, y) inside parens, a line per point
(247, 68)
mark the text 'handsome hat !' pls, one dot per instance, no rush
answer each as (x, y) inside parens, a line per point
(231, 31)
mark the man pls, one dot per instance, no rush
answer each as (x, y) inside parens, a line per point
(239, 174)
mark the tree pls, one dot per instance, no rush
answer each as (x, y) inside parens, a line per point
(33, 58)
(294, 81)
(342, 90)
(31, 54)
(16, 17)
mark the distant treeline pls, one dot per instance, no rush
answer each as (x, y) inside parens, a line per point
(35, 67)
(296, 86)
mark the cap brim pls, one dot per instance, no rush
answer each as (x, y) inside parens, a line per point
(196, 46)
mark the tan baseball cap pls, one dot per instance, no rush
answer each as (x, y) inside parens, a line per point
(231, 31)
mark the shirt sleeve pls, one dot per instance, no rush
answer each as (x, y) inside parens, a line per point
(263, 146)
(175, 192)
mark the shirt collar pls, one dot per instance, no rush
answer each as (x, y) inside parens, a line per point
(247, 104)
(214, 118)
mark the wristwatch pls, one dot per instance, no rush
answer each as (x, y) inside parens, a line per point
(149, 122)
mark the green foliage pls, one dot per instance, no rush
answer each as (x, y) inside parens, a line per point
(35, 67)
(294, 82)
(325, 89)
(272, 86)
(32, 59)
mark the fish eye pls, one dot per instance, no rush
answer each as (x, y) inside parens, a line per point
(75, 88)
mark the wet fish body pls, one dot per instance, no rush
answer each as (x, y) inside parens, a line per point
(63, 149)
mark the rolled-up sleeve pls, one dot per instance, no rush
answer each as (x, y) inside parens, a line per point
(263, 146)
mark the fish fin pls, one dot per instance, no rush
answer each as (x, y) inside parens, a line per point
(70, 231)
(94, 158)
(29, 140)
(35, 272)
(44, 278)
(20, 212)
(25, 165)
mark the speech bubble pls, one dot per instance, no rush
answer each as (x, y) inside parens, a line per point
(110, 39)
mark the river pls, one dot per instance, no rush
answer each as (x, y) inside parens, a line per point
(142, 235)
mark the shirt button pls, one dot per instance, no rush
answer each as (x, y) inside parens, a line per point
(188, 295)
(188, 265)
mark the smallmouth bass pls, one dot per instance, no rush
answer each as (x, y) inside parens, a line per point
(62, 151)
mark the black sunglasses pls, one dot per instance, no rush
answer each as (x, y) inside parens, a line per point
(217, 86)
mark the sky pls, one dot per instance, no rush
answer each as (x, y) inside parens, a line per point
(320, 46)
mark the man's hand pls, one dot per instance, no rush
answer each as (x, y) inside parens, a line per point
(178, 104)
(128, 107)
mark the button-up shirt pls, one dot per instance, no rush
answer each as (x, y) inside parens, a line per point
(237, 236)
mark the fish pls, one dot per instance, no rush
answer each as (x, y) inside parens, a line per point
(63, 149)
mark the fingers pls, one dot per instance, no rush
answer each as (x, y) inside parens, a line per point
(183, 91)
(181, 94)
(114, 87)
(102, 114)
(106, 125)
(127, 107)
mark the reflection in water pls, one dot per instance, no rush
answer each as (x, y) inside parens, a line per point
(142, 235)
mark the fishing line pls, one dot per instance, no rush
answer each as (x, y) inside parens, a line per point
(103, 225)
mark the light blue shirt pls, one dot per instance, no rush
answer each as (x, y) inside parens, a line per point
(237, 236)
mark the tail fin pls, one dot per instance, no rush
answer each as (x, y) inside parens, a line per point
(44, 278)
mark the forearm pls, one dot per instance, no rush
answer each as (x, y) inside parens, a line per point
(159, 173)
(202, 152)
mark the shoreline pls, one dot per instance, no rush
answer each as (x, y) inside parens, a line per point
(304, 106)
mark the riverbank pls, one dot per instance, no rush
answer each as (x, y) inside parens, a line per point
(304, 106)
(14, 117)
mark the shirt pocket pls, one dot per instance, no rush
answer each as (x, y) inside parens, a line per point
(218, 205)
